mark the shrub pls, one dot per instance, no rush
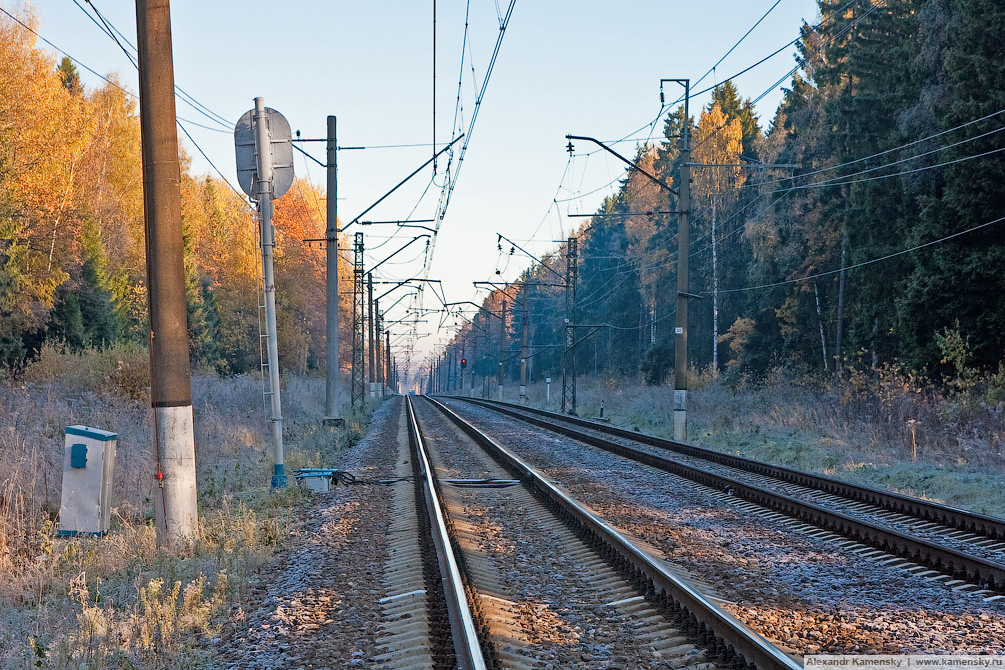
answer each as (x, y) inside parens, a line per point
(123, 369)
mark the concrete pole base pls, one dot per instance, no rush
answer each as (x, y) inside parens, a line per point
(176, 503)
(680, 425)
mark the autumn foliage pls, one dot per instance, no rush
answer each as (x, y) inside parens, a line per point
(72, 263)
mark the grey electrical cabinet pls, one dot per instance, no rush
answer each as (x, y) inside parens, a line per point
(88, 463)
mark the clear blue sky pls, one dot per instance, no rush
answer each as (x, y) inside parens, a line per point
(589, 68)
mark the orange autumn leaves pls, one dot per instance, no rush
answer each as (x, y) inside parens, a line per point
(72, 257)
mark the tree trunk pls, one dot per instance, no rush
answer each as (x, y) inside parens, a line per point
(820, 322)
(715, 298)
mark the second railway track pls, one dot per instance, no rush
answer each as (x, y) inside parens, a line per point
(963, 546)
(809, 589)
(544, 596)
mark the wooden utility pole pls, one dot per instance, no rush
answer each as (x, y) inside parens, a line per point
(175, 500)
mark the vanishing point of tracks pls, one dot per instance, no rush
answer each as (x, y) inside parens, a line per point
(530, 578)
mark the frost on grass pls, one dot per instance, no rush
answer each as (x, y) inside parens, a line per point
(120, 601)
(880, 428)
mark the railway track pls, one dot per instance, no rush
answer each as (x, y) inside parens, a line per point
(544, 581)
(428, 622)
(963, 549)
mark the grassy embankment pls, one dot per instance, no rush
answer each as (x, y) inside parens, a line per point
(878, 428)
(120, 601)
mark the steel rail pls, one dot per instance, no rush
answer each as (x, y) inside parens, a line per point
(702, 618)
(986, 573)
(972, 522)
(467, 645)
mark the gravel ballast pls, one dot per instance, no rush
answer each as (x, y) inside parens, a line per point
(318, 605)
(806, 594)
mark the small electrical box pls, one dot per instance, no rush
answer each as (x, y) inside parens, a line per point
(88, 464)
(316, 480)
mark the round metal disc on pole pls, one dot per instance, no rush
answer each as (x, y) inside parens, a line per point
(280, 146)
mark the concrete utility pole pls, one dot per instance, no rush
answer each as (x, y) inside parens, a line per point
(474, 364)
(464, 364)
(263, 141)
(524, 353)
(377, 373)
(331, 284)
(370, 324)
(444, 371)
(177, 514)
(502, 345)
(450, 370)
(683, 251)
(387, 356)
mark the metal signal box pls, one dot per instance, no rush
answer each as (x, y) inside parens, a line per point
(88, 463)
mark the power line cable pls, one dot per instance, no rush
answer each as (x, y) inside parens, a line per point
(91, 70)
(211, 163)
(652, 124)
(178, 120)
(897, 174)
(114, 33)
(887, 151)
(451, 181)
(738, 42)
(858, 265)
(852, 181)
(800, 62)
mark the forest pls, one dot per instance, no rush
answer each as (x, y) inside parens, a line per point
(72, 259)
(862, 228)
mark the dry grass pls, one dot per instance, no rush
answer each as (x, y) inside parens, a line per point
(120, 601)
(879, 428)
